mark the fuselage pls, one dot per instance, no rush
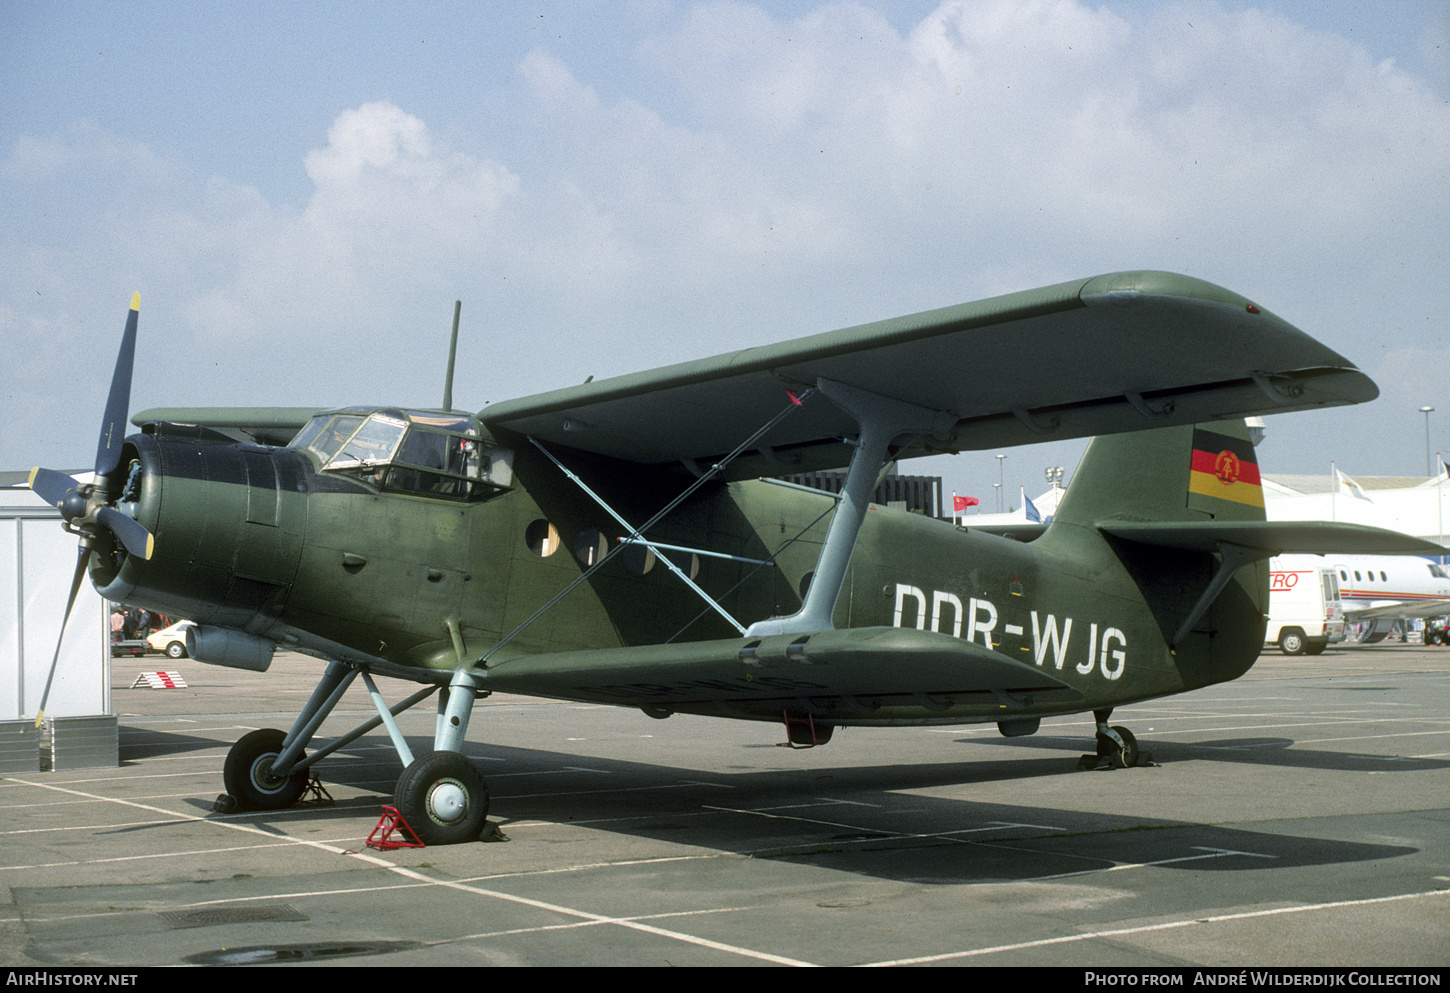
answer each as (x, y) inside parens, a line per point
(426, 550)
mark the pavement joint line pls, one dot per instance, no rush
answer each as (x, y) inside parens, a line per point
(1165, 926)
(160, 855)
(624, 922)
(582, 924)
(407, 873)
(99, 827)
(1372, 737)
(1208, 853)
(886, 833)
(600, 792)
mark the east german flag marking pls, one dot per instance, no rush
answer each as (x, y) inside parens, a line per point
(1225, 468)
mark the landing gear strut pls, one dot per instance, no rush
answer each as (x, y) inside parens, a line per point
(442, 795)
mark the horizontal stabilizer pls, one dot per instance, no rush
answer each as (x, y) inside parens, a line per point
(847, 671)
(1270, 537)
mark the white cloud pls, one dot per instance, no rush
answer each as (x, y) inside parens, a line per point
(390, 207)
(796, 174)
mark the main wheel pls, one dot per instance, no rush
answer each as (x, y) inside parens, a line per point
(443, 797)
(1121, 758)
(248, 772)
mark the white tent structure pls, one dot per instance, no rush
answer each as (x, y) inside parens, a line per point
(37, 561)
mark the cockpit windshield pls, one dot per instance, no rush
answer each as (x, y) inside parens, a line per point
(420, 452)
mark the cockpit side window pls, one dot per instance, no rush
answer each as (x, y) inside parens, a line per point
(433, 463)
(309, 432)
(372, 444)
(440, 455)
(334, 434)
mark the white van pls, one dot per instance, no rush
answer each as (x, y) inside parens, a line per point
(1305, 613)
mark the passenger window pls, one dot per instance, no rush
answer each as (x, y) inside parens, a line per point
(542, 538)
(590, 546)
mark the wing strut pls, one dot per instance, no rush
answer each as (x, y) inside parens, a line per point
(715, 470)
(882, 420)
(634, 536)
(1233, 558)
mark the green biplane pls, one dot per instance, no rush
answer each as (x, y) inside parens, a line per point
(621, 541)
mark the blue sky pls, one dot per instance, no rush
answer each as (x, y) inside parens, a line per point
(300, 191)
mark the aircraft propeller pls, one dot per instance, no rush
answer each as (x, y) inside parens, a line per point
(86, 507)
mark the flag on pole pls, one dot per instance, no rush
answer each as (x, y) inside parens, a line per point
(1032, 514)
(961, 503)
(1354, 489)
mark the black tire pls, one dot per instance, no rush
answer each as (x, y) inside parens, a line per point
(247, 769)
(176, 650)
(1121, 758)
(443, 797)
(1292, 641)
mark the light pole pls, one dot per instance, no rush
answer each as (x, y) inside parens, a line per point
(1426, 411)
(1001, 458)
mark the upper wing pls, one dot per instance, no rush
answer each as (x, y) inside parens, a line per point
(1113, 353)
(264, 425)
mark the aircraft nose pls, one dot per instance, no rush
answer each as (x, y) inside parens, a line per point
(228, 520)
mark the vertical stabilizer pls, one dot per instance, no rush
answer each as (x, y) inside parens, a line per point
(1197, 472)
(1189, 474)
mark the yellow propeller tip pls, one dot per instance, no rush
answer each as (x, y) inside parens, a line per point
(136, 301)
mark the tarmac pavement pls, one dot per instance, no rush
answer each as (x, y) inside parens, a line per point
(1299, 816)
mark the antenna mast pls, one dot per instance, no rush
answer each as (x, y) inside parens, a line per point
(452, 351)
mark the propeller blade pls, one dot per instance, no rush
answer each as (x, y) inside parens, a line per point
(113, 428)
(131, 532)
(75, 588)
(52, 486)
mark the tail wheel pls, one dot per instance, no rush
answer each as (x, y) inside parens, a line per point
(1124, 757)
(443, 797)
(248, 773)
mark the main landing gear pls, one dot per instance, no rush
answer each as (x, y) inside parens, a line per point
(1117, 748)
(442, 795)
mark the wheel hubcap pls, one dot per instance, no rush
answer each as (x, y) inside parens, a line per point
(447, 801)
(262, 776)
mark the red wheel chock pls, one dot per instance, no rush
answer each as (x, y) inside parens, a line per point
(382, 836)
